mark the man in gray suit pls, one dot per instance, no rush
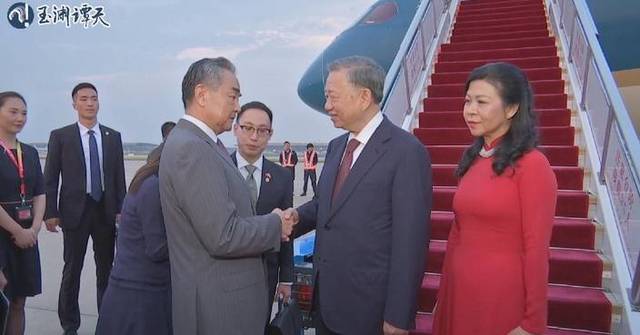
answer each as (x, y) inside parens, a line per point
(218, 276)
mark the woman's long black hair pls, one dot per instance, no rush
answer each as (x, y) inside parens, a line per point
(150, 168)
(513, 87)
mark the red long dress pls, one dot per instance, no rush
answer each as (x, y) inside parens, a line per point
(496, 268)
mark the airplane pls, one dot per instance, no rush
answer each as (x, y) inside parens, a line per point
(377, 34)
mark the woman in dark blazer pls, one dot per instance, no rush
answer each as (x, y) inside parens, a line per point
(138, 298)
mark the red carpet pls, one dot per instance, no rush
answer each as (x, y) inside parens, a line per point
(514, 31)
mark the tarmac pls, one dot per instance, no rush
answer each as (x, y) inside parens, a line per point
(42, 311)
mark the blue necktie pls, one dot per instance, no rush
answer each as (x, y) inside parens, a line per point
(94, 159)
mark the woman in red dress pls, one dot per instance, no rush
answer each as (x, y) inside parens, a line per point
(495, 273)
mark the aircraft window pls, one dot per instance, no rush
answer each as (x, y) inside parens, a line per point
(382, 12)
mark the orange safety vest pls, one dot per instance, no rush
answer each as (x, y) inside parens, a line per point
(308, 161)
(286, 161)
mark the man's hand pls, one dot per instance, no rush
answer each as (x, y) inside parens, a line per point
(287, 225)
(284, 291)
(519, 331)
(388, 329)
(292, 214)
(24, 238)
(52, 224)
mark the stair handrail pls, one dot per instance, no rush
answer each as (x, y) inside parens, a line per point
(404, 83)
(616, 142)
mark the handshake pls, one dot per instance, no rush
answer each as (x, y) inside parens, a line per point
(288, 219)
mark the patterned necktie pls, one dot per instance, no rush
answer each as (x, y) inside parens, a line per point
(253, 186)
(94, 161)
(345, 168)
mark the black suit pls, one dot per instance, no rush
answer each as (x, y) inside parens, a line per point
(81, 216)
(276, 191)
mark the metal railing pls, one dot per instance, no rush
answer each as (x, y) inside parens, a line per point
(408, 72)
(616, 141)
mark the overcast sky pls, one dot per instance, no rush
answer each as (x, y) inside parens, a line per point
(138, 63)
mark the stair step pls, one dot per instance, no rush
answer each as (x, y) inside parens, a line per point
(502, 44)
(526, 26)
(457, 90)
(492, 55)
(568, 307)
(568, 177)
(523, 63)
(566, 266)
(501, 13)
(556, 154)
(497, 22)
(502, 5)
(424, 326)
(444, 136)
(552, 73)
(523, 13)
(542, 101)
(578, 233)
(546, 118)
(574, 204)
(499, 36)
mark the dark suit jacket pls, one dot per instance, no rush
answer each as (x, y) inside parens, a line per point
(276, 193)
(66, 157)
(369, 256)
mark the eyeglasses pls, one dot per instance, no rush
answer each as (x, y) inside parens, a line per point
(250, 130)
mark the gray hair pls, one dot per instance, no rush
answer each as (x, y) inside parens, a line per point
(206, 71)
(362, 72)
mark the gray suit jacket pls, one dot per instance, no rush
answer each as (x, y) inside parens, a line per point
(215, 245)
(369, 256)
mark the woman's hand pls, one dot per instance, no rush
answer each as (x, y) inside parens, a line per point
(24, 238)
(519, 331)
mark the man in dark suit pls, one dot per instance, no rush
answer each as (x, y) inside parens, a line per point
(165, 129)
(89, 157)
(270, 185)
(371, 214)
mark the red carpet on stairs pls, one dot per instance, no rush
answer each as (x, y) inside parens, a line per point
(514, 31)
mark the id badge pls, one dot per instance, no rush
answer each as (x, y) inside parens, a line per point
(23, 212)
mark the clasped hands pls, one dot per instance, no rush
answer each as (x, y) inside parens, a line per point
(288, 219)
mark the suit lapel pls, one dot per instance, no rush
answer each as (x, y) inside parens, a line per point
(330, 172)
(372, 152)
(265, 186)
(78, 147)
(106, 142)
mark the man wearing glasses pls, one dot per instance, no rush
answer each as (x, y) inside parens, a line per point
(270, 186)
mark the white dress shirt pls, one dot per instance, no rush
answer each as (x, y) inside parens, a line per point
(257, 174)
(364, 136)
(84, 136)
(203, 126)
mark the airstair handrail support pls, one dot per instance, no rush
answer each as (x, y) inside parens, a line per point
(615, 144)
(410, 69)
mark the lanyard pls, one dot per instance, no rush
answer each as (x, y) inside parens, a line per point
(17, 162)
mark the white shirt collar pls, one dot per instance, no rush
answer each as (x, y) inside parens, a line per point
(365, 134)
(84, 130)
(243, 162)
(203, 126)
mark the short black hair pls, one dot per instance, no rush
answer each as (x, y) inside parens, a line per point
(4, 96)
(255, 105)
(310, 145)
(286, 142)
(166, 128)
(81, 86)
